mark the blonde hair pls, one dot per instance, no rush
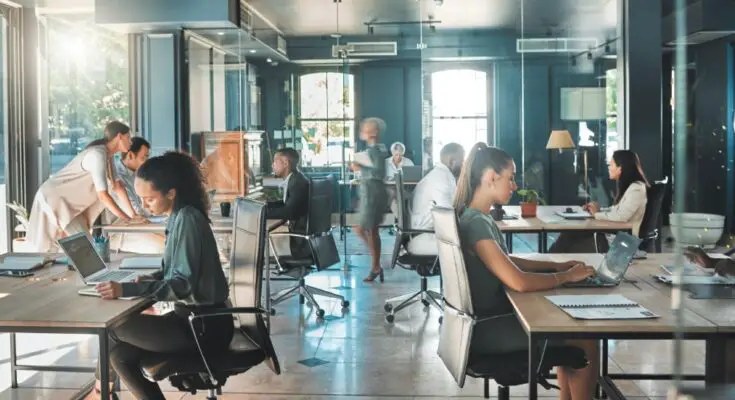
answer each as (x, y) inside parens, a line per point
(481, 158)
(394, 148)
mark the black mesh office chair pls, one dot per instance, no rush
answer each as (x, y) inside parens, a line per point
(251, 344)
(650, 230)
(425, 266)
(323, 250)
(455, 334)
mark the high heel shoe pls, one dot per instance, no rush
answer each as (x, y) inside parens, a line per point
(372, 275)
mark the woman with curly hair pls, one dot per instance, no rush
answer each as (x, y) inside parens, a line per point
(191, 274)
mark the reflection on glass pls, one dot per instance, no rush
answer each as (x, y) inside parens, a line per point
(459, 113)
(3, 129)
(327, 118)
(88, 84)
(611, 111)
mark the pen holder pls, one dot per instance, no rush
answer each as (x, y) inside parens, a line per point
(102, 247)
(225, 208)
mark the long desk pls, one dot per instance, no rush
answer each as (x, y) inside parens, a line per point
(547, 221)
(48, 302)
(544, 321)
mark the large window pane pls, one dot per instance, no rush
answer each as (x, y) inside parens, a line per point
(466, 132)
(88, 84)
(327, 118)
(461, 92)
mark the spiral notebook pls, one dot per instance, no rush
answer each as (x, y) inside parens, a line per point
(601, 307)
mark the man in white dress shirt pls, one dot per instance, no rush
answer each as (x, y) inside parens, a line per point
(437, 188)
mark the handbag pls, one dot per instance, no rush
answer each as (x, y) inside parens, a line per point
(324, 251)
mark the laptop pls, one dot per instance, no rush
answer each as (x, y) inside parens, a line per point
(412, 173)
(88, 263)
(23, 263)
(616, 262)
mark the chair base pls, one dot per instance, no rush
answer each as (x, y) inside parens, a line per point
(305, 291)
(427, 297)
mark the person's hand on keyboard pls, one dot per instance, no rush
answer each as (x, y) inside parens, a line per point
(109, 290)
(568, 265)
(579, 273)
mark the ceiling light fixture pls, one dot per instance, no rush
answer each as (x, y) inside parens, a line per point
(221, 33)
(371, 30)
(268, 60)
(252, 51)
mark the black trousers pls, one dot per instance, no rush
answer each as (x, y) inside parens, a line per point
(141, 334)
(580, 242)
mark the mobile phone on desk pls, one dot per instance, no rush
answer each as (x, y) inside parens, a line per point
(16, 274)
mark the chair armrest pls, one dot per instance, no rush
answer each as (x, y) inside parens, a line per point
(414, 230)
(288, 234)
(197, 314)
(277, 225)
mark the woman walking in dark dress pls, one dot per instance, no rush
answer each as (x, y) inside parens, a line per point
(373, 196)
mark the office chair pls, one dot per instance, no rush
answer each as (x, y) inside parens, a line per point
(424, 266)
(650, 230)
(251, 343)
(455, 334)
(323, 250)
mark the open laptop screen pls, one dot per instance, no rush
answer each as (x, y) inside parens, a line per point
(80, 251)
(619, 256)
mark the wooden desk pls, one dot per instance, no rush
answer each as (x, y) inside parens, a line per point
(543, 321)
(48, 302)
(547, 220)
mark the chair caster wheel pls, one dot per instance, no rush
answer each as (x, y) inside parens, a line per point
(388, 307)
(390, 318)
(425, 303)
(320, 313)
(273, 311)
(345, 303)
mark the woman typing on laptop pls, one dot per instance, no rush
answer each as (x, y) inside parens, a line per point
(488, 177)
(171, 185)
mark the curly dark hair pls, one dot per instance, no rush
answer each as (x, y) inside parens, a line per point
(180, 171)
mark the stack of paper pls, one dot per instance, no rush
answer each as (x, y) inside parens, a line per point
(598, 307)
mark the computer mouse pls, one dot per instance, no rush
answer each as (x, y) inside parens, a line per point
(569, 210)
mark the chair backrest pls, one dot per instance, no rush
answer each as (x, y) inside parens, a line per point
(403, 215)
(321, 197)
(652, 217)
(246, 273)
(458, 320)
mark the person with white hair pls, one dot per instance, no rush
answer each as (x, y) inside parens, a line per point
(396, 161)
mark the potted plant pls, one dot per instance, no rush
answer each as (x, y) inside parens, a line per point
(530, 202)
(20, 244)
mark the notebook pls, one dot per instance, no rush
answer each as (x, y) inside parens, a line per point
(598, 307)
(574, 215)
(20, 263)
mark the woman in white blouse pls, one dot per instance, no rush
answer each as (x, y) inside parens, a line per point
(72, 198)
(629, 205)
(396, 161)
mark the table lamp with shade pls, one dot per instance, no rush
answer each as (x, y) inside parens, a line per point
(560, 140)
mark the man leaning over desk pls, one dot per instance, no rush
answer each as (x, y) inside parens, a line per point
(294, 205)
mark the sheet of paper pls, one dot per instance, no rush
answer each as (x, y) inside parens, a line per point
(610, 313)
(575, 215)
(591, 300)
(141, 263)
(689, 269)
(363, 158)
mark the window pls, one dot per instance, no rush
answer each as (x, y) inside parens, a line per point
(87, 83)
(459, 112)
(611, 110)
(327, 118)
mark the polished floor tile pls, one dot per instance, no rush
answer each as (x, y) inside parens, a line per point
(361, 356)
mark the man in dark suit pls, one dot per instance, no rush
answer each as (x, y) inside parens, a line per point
(294, 205)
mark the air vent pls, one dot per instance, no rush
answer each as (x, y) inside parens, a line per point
(702, 37)
(555, 45)
(364, 49)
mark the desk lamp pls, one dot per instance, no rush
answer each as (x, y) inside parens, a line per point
(558, 140)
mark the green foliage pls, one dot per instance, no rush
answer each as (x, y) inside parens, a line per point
(530, 196)
(88, 79)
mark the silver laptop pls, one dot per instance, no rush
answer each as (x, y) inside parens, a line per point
(412, 173)
(88, 263)
(616, 262)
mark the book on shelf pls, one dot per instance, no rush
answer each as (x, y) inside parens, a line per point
(600, 307)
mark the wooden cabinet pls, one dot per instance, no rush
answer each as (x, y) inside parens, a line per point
(230, 162)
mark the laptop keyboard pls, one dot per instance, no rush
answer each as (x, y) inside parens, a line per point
(115, 276)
